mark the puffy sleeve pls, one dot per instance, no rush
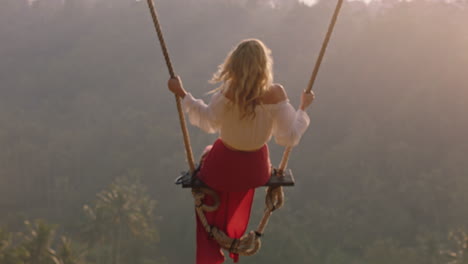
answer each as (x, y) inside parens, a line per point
(202, 115)
(288, 124)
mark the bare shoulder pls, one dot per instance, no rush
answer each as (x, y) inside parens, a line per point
(275, 94)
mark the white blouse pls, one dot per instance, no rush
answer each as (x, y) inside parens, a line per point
(280, 120)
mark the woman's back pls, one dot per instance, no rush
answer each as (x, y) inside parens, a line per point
(252, 133)
(273, 116)
(274, 95)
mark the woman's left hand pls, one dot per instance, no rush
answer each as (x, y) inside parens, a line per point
(175, 85)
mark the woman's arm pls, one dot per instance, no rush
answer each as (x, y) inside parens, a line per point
(289, 125)
(200, 114)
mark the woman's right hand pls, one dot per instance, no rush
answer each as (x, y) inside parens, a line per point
(175, 85)
(306, 99)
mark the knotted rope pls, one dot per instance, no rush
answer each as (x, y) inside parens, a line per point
(248, 244)
(287, 151)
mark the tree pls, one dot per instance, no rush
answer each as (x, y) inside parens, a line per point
(121, 215)
(34, 246)
(37, 242)
(67, 254)
(458, 253)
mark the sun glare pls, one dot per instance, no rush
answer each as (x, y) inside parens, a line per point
(313, 2)
(309, 2)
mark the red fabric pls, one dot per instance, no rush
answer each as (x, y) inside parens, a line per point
(234, 175)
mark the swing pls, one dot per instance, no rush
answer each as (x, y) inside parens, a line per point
(187, 180)
(250, 243)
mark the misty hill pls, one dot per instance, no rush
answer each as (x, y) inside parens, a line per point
(380, 173)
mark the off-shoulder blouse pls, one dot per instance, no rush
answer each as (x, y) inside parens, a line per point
(280, 120)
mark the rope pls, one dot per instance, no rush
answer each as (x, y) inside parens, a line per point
(183, 125)
(248, 244)
(287, 151)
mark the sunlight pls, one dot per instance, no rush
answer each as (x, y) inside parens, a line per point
(313, 2)
(365, 1)
(309, 2)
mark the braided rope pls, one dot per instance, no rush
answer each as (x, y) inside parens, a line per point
(248, 244)
(287, 151)
(183, 125)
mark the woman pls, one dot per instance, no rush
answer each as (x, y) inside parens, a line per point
(246, 111)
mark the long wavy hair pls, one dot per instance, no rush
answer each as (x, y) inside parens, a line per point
(247, 75)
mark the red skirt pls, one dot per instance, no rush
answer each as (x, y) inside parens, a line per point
(234, 175)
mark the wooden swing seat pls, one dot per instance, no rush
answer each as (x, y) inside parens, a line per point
(187, 180)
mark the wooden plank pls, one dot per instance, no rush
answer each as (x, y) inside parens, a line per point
(287, 179)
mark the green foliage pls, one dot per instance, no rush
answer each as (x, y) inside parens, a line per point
(122, 222)
(34, 246)
(37, 242)
(120, 228)
(9, 254)
(392, 252)
(458, 253)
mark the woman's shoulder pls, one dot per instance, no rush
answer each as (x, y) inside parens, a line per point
(275, 95)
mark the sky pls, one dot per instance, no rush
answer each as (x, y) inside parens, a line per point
(307, 2)
(312, 2)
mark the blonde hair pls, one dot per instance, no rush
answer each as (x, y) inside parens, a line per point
(247, 75)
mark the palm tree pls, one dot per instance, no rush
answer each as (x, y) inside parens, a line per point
(120, 214)
(37, 242)
(459, 252)
(35, 248)
(8, 254)
(67, 254)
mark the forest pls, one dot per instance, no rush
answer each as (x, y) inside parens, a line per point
(91, 142)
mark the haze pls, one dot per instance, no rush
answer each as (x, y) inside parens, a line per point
(381, 174)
